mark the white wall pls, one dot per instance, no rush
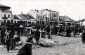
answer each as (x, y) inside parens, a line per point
(41, 17)
(7, 13)
(33, 13)
(47, 14)
(50, 14)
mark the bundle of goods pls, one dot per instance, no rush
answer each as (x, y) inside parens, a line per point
(46, 42)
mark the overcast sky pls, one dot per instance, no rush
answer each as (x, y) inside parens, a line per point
(72, 8)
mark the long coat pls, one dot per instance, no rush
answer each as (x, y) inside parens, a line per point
(83, 37)
(26, 49)
(37, 35)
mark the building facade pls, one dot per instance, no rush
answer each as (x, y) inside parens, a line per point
(38, 15)
(51, 16)
(45, 16)
(5, 13)
(65, 20)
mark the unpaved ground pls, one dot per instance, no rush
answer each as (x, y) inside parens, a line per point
(67, 46)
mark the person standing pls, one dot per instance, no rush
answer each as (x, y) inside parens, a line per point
(8, 42)
(26, 49)
(68, 31)
(37, 36)
(2, 34)
(8, 45)
(83, 37)
(55, 30)
(21, 29)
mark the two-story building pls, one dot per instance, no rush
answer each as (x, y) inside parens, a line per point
(45, 16)
(51, 16)
(5, 13)
(38, 15)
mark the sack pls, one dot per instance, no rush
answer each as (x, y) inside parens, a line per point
(46, 42)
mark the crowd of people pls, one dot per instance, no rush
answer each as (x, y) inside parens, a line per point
(10, 33)
(12, 30)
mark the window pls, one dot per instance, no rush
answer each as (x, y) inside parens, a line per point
(8, 16)
(46, 18)
(4, 17)
(30, 17)
(43, 17)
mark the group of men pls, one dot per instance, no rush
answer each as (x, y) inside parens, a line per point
(10, 33)
(70, 29)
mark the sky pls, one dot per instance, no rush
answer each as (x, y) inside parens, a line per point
(75, 9)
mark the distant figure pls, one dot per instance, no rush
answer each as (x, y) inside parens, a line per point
(83, 37)
(68, 31)
(60, 30)
(14, 40)
(8, 42)
(48, 29)
(55, 30)
(21, 29)
(2, 35)
(48, 32)
(6, 34)
(37, 36)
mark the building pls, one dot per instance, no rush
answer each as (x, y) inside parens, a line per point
(52, 17)
(24, 18)
(38, 15)
(65, 20)
(5, 13)
(81, 22)
(45, 16)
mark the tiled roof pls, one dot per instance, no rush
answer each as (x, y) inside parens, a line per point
(26, 16)
(65, 18)
(23, 16)
(3, 5)
(15, 17)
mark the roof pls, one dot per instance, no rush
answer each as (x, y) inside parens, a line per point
(4, 7)
(16, 17)
(8, 11)
(23, 16)
(48, 10)
(66, 19)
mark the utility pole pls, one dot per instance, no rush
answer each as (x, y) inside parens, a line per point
(79, 20)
